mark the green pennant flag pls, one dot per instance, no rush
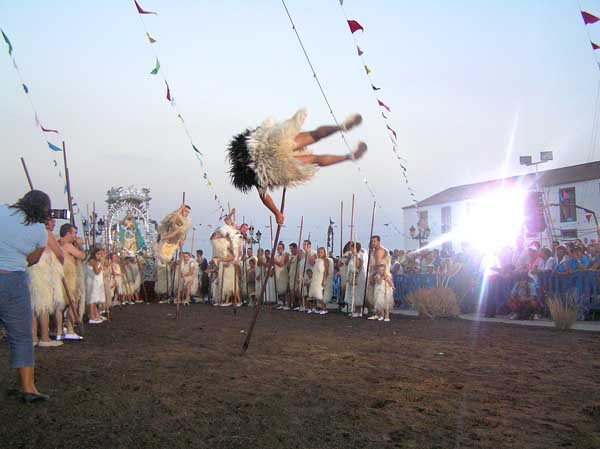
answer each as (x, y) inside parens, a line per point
(156, 68)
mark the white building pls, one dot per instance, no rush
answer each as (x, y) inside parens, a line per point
(571, 194)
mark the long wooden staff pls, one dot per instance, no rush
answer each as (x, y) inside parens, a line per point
(68, 182)
(72, 307)
(296, 265)
(341, 230)
(27, 173)
(355, 256)
(264, 284)
(139, 264)
(369, 257)
(124, 279)
(180, 283)
(273, 254)
(64, 283)
(304, 274)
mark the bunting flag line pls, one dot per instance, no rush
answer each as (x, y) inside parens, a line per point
(31, 102)
(379, 204)
(140, 10)
(168, 92)
(157, 70)
(46, 130)
(382, 104)
(10, 47)
(392, 131)
(588, 18)
(354, 26)
(54, 147)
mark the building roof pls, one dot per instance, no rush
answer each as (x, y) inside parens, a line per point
(548, 178)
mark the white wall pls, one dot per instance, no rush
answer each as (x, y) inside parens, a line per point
(587, 194)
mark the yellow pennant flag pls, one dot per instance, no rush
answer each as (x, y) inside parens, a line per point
(150, 38)
(367, 69)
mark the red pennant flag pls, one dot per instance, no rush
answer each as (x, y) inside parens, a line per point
(588, 217)
(594, 45)
(168, 92)
(381, 103)
(140, 10)
(355, 26)
(392, 131)
(589, 18)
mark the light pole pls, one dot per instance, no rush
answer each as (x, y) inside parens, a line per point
(545, 156)
(422, 235)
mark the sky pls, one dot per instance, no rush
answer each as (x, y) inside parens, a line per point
(472, 85)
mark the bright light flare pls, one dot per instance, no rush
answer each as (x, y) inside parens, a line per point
(495, 220)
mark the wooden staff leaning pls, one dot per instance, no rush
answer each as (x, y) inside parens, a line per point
(264, 284)
(304, 274)
(180, 260)
(296, 265)
(274, 244)
(369, 257)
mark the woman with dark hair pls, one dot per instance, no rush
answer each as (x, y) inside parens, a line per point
(22, 242)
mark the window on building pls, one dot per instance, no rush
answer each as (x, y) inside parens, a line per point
(423, 219)
(566, 201)
(568, 233)
(446, 219)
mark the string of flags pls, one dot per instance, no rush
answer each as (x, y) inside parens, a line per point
(355, 26)
(590, 19)
(38, 123)
(365, 181)
(157, 70)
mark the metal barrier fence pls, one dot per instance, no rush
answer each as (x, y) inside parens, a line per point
(585, 286)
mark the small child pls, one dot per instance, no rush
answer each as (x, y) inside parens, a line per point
(383, 294)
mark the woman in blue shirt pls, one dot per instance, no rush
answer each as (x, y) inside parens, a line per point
(22, 243)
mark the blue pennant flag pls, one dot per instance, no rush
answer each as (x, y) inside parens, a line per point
(54, 147)
(26, 89)
(10, 47)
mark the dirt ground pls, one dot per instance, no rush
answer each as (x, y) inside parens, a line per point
(149, 380)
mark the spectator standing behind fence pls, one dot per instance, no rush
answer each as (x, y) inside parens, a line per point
(22, 243)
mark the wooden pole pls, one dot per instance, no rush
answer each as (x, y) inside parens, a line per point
(72, 306)
(353, 238)
(273, 254)
(139, 264)
(303, 274)
(264, 284)
(180, 283)
(341, 230)
(93, 227)
(27, 174)
(296, 257)
(369, 256)
(352, 218)
(68, 180)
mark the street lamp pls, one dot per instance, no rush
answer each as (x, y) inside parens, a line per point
(422, 235)
(545, 156)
